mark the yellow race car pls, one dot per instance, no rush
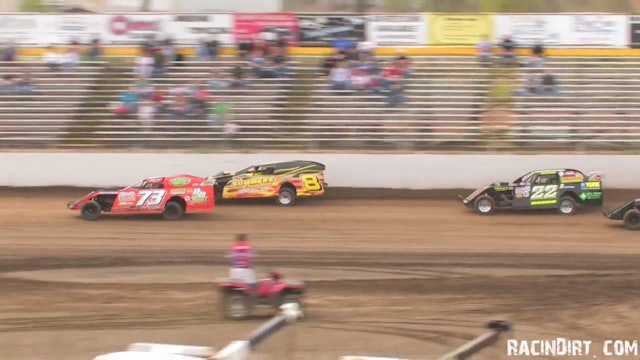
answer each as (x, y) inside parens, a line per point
(284, 181)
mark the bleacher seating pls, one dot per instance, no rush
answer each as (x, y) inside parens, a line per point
(449, 107)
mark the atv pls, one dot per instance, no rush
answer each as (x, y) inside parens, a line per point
(239, 299)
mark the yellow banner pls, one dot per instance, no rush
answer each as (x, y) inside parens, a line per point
(459, 29)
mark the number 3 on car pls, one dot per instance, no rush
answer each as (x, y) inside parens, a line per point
(311, 182)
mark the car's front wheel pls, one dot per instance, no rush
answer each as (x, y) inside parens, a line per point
(91, 211)
(632, 219)
(485, 205)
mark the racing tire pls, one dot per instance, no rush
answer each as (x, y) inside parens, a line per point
(236, 306)
(286, 197)
(485, 205)
(173, 211)
(91, 211)
(632, 219)
(567, 205)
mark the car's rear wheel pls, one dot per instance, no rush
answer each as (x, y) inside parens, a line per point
(632, 219)
(236, 306)
(286, 197)
(173, 211)
(91, 211)
(567, 205)
(485, 205)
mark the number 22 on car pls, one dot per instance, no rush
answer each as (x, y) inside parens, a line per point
(544, 195)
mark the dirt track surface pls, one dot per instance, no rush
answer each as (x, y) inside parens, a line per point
(411, 278)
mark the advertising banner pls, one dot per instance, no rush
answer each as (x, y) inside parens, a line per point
(265, 25)
(596, 31)
(528, 30)
(22, 29)
(64, 29)
(321, 30)
(563, 30)
(191, 29)
(634, 31)
(397, 30)
(462, 30)
(133, 29)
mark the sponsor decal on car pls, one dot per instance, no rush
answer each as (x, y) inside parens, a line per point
(127, 196)
(180, 181)
(252, 182)
(591, 185)
(178, 191)
(198, 196)
(501, 188)
(522, 192)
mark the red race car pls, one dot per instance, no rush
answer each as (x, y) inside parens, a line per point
(171, 196)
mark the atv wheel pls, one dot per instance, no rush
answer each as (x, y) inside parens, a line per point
(91, 211)
(173, 211)
(236, 306)
(286, 197)
(485, 205)
(632, 219)
(567, 205)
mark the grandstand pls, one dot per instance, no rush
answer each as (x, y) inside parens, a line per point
(454, 103)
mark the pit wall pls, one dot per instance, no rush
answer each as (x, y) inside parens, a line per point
(396, 171)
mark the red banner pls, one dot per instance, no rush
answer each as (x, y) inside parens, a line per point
(266, 26)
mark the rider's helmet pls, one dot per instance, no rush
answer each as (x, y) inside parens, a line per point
(275, 275)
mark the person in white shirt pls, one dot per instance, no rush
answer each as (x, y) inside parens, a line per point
(340, 76)
(144, 65)
(51, 58)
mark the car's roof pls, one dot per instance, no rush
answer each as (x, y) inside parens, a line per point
(554, 170)
(294, 163)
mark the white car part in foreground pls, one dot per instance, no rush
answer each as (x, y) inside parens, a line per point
(236, 350)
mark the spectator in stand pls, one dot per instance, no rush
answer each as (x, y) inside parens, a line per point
(160, 61)
(391, 74)
(217, 82)
(169, 50)
(157, 98)
(144, 64)
(8, 51)
(340, 76)
(220, 112)
(404, 64)
(360, 80)
(257, 63)
(344, 45)
(25, 85)
(531, 84)
(549, 85)
(239, 75)
(245, 47)
(52, 58)
(396, 97)
(485, 51)
(71, 57)
(146, 114)
(95, 49)
(200, 99)
(330, 62)
(128, 103)
(537, 55)
(508, 48)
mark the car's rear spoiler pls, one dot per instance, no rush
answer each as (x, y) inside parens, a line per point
(595, 176)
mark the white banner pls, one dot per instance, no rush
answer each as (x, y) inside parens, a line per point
(530, 29)
(597, 31)
(397, 30)
(563, 30)
(120, 29)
